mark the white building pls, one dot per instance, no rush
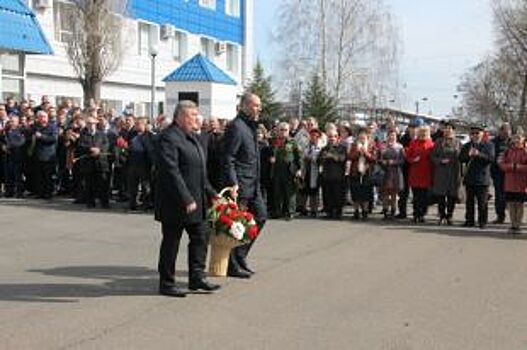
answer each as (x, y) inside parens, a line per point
(219, 29)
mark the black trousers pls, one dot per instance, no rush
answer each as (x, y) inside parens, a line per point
(420, 201)
(479, 194)
(500, 202)
(403, 195)
(256, 205)
(335, 192)
(197, 251)
(45, 172)
(97, 186)
(447, 205)
(13, 174)
(139, 175)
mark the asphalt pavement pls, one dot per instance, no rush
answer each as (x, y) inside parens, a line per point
(72, 278)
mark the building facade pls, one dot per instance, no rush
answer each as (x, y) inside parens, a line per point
(176, 29)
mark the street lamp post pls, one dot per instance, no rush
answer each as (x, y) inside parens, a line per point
(300, 104)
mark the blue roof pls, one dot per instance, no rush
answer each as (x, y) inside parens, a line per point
(200, 68)
(20, 30)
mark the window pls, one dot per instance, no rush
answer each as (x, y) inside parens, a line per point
(189, 96)
(143, 39)
(232, 58)
(207, 47)
(12, 87)
(12, 75)
(232, 8)
(64, 16)
(12, 64)
(179, 46)
(210, 4)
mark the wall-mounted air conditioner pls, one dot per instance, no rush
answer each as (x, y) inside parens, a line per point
(221, 47)
(167, 31)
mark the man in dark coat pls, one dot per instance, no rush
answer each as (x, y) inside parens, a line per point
(93, 149)
(478, 155)
(242, 172)
(181, 202)
(501, 144)
(140, 162)
(332, 158)
(215, 154)
(46, 138)
(14, 142)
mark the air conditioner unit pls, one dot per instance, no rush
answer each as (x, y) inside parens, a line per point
(42, 4)
(221, 47)
(167, 31)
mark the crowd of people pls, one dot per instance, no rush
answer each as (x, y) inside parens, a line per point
(305, 169)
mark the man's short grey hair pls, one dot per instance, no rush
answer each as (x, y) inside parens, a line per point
(246, 97)
(184, 105)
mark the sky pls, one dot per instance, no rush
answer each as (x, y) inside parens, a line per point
(440, 41)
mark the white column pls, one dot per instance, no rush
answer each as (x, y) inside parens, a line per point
(248, 46)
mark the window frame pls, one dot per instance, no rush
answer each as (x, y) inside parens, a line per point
(208, 4)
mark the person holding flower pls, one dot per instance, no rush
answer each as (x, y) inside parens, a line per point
(363, 157)
(285, 163)
(391, 160)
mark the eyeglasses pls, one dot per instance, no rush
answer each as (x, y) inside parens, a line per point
(474, 133)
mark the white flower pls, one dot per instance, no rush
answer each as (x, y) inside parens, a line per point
(252, 222)
(237, 230)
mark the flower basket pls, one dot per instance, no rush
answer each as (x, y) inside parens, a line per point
(220, 249)
(231, 227)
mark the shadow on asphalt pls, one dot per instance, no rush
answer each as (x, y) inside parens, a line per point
(116, 281)
(66, 204)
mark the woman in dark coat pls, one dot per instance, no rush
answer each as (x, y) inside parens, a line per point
(447, 173)
(362, 156)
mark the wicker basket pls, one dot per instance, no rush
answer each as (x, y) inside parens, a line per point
(220, 249)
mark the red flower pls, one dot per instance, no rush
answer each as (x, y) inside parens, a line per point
(253, 232)
(249, 216)
(121, 142)
(220, 207)
(226, 221)
(232, 205)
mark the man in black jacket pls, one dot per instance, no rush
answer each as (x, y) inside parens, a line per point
(501, 144)
(478, 155)
(181, 202)
(95, 168)
(242, 172)
(46, 138)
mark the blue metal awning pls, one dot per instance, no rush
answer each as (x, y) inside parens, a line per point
(200, 68)
(20, 30)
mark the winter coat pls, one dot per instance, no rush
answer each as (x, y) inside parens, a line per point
(391, 160)
(420, 170)
(478, 167)
(447, 175)
(514, 164)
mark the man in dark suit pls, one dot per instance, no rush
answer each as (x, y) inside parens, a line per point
(93, 149)
(183, 192)
(242, 172)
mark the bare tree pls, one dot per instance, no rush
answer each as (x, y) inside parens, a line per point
(511, 22)
(351, 44)
(96, 48)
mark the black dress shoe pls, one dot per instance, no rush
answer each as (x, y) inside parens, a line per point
(239, 274)
(499, 221)
(245, 268)
(203, 285)
(172, 291)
